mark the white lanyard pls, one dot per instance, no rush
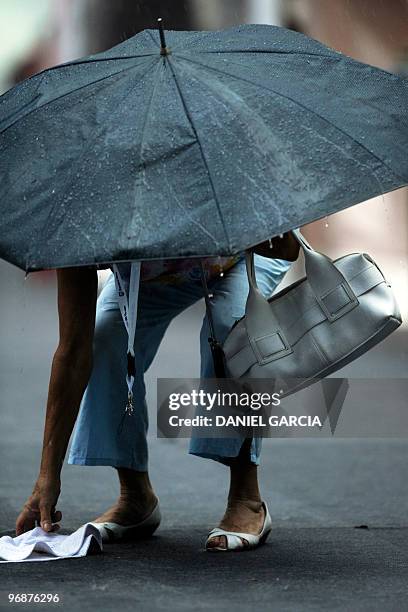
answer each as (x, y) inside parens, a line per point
(128, 309)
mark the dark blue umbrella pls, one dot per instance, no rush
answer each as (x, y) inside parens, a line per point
(202, 144)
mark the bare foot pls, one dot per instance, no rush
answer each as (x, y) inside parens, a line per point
(242, 516)
(136, 502)
(128, 511)
(245, 512)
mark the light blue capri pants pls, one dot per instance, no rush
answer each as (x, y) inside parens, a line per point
(96, 440)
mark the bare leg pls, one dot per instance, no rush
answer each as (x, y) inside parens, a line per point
(136, 499)
(244, 511)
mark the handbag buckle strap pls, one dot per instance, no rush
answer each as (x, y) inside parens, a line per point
(338, 302)
(271, 347)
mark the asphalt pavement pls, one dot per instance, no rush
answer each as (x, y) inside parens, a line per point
(339, 506)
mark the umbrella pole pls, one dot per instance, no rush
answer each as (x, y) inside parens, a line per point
(164, 50)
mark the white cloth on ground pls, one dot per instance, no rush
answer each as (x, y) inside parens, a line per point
(38, 545)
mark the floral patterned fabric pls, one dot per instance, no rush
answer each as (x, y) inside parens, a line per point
(176, 271)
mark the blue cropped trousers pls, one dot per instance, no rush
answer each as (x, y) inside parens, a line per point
(96, 439)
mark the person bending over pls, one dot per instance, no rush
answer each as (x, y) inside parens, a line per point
(87, 377)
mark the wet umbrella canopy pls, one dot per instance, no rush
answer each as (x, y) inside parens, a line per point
(206, 147)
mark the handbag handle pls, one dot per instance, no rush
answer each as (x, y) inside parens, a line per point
(331, 290)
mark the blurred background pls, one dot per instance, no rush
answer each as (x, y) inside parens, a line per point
(318, 490)
(41, 33)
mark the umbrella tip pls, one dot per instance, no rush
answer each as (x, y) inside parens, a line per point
(163, 50)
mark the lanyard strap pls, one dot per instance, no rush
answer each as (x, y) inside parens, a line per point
(128, 309)
(207, 299)
(216, 348)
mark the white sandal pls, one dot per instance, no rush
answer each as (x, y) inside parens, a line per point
(113, 532)
(236, 540)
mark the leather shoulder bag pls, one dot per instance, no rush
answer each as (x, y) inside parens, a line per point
(312, 328)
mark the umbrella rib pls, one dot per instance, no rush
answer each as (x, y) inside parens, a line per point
(68, 93)
(89, 143)
(14, 182)
(96, 58)
(190, 216)
(190, 119)
(34, 98)
(274, 52)
(270, 89)
(90, 60)
(146, 117)
(223, 31)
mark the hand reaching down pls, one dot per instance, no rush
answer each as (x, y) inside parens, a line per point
(39, 508)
